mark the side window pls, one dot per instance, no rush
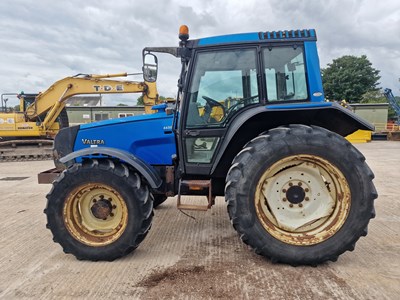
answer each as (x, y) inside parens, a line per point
(101, 116)
(201, 150)
(285, 74)
(223, 83)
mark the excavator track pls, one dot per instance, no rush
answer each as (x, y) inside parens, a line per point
(24, 150)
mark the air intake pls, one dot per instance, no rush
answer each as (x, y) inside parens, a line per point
(288, 34)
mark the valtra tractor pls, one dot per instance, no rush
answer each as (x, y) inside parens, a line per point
(250, 124)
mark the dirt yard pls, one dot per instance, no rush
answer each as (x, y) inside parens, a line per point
(198, 257)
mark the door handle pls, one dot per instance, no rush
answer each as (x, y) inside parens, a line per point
(192, 132)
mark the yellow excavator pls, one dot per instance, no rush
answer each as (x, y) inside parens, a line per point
(41, 116)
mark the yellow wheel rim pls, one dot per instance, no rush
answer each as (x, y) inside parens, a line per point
(95, 214)
(302, 200)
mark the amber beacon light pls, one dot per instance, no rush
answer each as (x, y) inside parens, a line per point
(183, 33)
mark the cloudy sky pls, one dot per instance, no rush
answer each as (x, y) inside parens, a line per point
(43, 41)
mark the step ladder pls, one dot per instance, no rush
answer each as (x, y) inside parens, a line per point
(196, 185)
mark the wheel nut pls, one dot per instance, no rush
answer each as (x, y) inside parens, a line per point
(306, 190)
(291, 205)
(284, 199)
(284, 191)
(94, 200)
(299, 184)
(306, 198)
(300, 205)
(114, 206)
(290, 184)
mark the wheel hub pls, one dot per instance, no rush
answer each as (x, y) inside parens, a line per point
(295, 194)
(101, 209)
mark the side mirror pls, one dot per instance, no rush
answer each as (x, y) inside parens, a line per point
(150, 67)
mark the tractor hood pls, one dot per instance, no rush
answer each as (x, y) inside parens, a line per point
(148, 137)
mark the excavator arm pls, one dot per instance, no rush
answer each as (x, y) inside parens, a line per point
(52, 101)
(25, 134)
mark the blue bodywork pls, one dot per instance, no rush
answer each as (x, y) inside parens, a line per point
(315, 88)
(149, 137)
(298, 105)
(230, 38)
(283, 35)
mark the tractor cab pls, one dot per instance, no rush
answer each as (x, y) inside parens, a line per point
(234, 87)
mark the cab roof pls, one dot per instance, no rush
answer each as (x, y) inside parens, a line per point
(268, 36)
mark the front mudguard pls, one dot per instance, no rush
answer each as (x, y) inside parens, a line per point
(147, 171)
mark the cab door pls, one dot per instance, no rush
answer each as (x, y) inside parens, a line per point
(222, 83)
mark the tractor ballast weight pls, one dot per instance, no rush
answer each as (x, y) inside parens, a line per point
(250, 124)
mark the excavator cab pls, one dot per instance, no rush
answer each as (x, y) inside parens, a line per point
(26, 100)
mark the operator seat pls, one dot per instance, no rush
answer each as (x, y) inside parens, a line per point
(194, 118)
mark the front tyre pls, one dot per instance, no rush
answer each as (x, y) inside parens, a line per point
(99, 210)
(300, 195)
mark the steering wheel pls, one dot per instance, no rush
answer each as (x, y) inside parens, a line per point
(241, 101)
(213, 103)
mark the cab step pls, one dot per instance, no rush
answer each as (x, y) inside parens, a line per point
(195, 185)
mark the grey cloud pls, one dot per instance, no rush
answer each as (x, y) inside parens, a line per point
(50, 40)
(202, 19)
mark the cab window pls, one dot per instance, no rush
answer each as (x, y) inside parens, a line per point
(223, 83)
(285, 73)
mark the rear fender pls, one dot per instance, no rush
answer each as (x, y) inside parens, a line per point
(147, 171)
(254, 121)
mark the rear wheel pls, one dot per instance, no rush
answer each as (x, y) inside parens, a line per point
(300, 195)
(99, 210)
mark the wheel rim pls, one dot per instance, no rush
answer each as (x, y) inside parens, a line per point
(95, 214)
(302, 200)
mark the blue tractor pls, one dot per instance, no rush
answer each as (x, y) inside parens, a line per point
(250, 124)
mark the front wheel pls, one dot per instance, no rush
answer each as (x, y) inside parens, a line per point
(300, 195)
(99, 210)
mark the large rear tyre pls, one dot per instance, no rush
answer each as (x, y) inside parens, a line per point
(99, 210)
(300, 195)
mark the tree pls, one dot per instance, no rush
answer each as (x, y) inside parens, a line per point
(373, 97)
(140, 101)
(349, 77)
